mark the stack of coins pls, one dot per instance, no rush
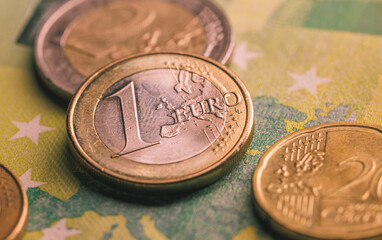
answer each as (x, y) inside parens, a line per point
(154, 110)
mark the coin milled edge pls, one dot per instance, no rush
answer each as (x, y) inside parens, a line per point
(20, 227)
(194, 181)
(258, 204)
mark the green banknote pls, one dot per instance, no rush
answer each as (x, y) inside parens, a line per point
(305, 62)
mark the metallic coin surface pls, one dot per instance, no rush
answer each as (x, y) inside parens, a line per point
(13, 206)
(323, 182)
(161, 121)
(82, 36)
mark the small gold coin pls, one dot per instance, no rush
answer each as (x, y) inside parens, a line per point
(13, 206)
(323, 182)
(161, 122)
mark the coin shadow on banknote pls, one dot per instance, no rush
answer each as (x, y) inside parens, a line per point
(99, 188)
(61, 102)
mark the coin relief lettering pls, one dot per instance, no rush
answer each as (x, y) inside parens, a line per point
(328, 180)
(296, 199)
(232, 99)
(367, 169)
(361, 211)
(156, 109)
(357, 213)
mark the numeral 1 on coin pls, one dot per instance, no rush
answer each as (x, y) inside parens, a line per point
(133, 141)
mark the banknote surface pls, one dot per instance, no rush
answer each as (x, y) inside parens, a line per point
(305, 62)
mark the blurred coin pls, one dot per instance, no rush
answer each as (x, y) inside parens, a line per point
(161, 122)
(13, 206)
(83, 35)
(323, 182)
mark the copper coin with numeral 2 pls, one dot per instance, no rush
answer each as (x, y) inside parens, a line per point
(161, 122)
(13, 206)
(323, 182)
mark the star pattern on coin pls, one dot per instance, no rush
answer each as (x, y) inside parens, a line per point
(27, 182)
(309, 81)
(31, 129)
(58, 231)
(241, 55)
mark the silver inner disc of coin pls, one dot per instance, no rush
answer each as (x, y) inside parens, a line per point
(160, 116)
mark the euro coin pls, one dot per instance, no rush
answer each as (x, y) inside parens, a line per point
(161, 122)
(13, 206)
(323, 182)
(82, 36)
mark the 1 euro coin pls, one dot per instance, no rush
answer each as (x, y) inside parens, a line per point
(161, 122)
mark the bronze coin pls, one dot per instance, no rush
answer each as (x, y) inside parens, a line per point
(323, 182)
(13, 206)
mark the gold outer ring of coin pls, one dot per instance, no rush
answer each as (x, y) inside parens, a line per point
(8, 201)
(191, 173)
(285, 212)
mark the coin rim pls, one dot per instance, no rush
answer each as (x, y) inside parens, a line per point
(285, 227)
(52, 16)
(20, 226)
(191, 181)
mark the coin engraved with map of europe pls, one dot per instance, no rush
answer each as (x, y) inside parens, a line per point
(13, 206)
(82, 36)
(164, 122)
(323, 182)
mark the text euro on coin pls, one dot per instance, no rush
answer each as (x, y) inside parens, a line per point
(161, 121)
